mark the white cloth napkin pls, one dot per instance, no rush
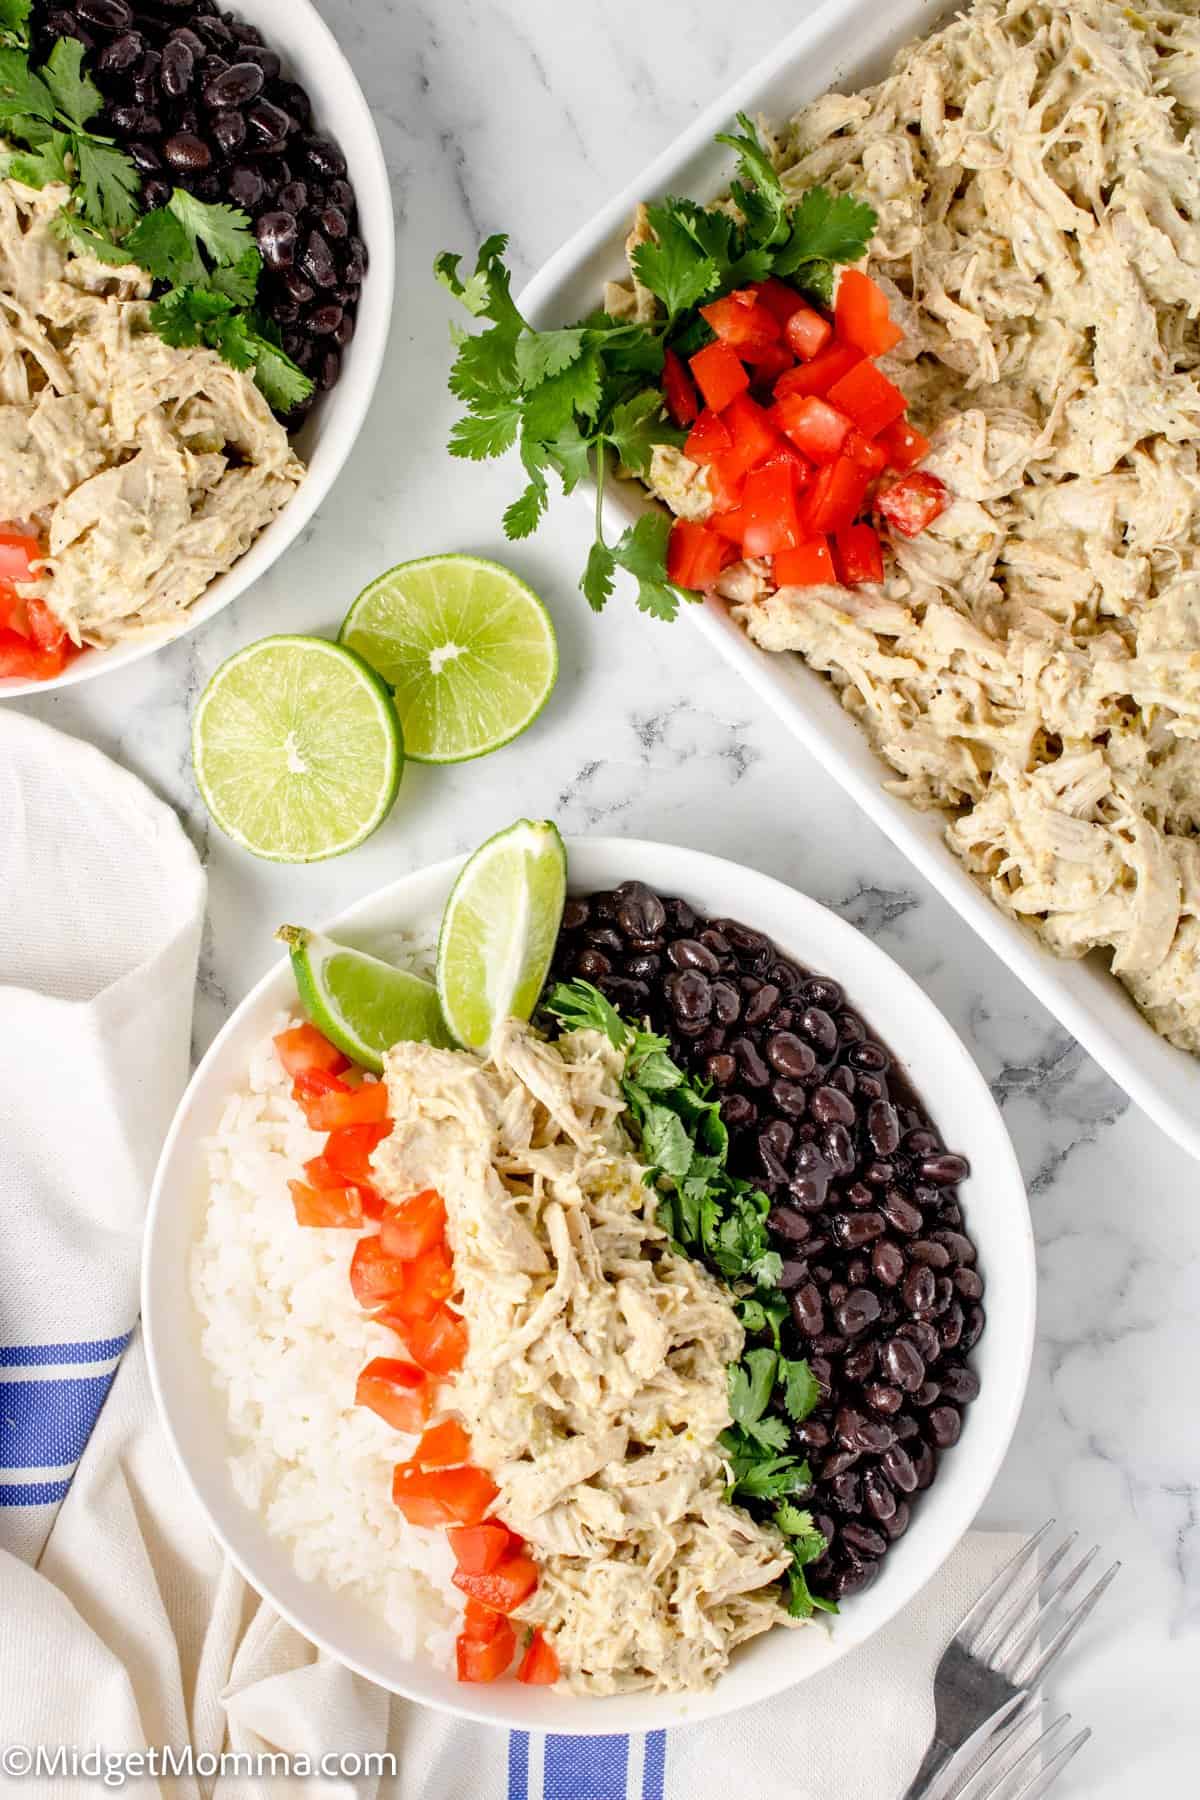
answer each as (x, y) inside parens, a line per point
(101, 906)
(123, 1628)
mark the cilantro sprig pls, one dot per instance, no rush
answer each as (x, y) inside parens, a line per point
(720, 1220)
(571, 401)
(203, 258)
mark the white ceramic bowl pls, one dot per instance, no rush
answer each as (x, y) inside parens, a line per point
(845, 44)
(997, 1217)
(310, 56)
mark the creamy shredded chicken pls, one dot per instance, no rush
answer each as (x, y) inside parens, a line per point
(595, 1386)
(1031, 664)
(147, 470)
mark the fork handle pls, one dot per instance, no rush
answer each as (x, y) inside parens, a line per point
(937, 1757)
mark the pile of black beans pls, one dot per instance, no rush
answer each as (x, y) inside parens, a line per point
(200, 102)
(881, 1279)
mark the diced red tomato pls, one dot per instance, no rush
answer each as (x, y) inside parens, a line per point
(46, 630)
(348, 1151)
(866, 454)
(326, 1207)
(428, 1280)
(20, 657)
(679, 390)
(539, 1665)
(780, 300)
(304, 1048)
(788, 453)
(720, 375)
(18, 552)
(726, 482)
(505, 1587)
(481, 1623)
(913, 502)
(835, 498)
(322, 1174)
(708, 439)
(807, 333)
(438, 1343)
(374, 1275)
(867, 397)
(742, 323)
(731, 525)
(768, 364)
(904, 445)
(442, 1496)
(754, 436)
(478, 1660)
(861, 312)
(694, 555)
(365, 1105)
(819, 375)
(808, 565)
(814, 426)
(415, 1225)
(443, 1445)
(399, 1392)
(772, 518)
(858, 555)
(14, 612)
(479, 1548)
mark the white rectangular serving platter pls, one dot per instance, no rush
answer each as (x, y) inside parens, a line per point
(845, 44)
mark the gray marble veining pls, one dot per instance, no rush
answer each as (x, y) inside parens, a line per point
(523, 115)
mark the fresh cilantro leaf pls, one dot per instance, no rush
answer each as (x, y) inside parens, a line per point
(815, 279)
(672, 265)
(551, 406)
(485, 368)
(543, 353)
(763, 1311)
(525, 512)
(642, 550)
(570, 456)
(21, 91)
(832, 227)
(489, 430)
(665, 1146)
(759, 1476)
(582, 1007)
(802, 1603)
(282, 384)
(222, 231)
(477, 293)
(759, 192)
(801, 1389)
(183, 316)
(796, 1523)
(751, 1383)
(76, 94)
(159, 243)
(231, 337)
(239, 280)
(14, 21)
(70, 226)
(637, 425)
(109, 184)
(38, 167)
(654, 1072)
(596, 581)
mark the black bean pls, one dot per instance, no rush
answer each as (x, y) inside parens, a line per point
(794, 1271)
(858, 1364)
(973, 1328)
(266, 59)
(819, 1028)
(144, 157)
(323, 157)
(122, 53)
(155, 193)
(927, 1393)
(945, 1170)
(591, 964)
(269, 124)
(903, 1364)
(879, 1174)
(808, 1309)
(868, 1056)
(329, 370)
(829, 1106)
(109, 15)
(689, 953)
(322, 321)
(245, 186)
(900, 1213)
(790, 1055)
(887, 1263)
(898, 1466)
(859, 1309)
(721, 1069)
(950, 1326)
(754, 1070)
(690, 994)
(918, 1289)
(854, 1229)
(933, 1255)
(959, 1383)
(345, 330)
(229, 132)
(845, 1487)
(184, 150)
(968, 1284)
(762, 1004)
(883, 1127)
(921, 1333)
(790, 1098)
(811, 1435)
(897, 1525)
(863, 1539)
(738, 1112)
(787, 1223)
(882, 1397)
(837, 1147)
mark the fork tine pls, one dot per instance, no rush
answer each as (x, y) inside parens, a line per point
(1067, 1630)
(1003, 1622)
(981, 1612)
(1030, 1632)
(999, 1739)
(994, 1776)
(1041, 1784)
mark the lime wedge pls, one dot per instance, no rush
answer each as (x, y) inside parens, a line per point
(468, 650)
(362, 1005)
(297, 749)
(499, 930)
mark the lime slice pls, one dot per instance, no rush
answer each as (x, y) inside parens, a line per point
(363, 1005)
(499, 930)
(297, 749)
(468, 650)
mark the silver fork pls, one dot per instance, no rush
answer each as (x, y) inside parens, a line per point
(994, 1662)
(996, 1778)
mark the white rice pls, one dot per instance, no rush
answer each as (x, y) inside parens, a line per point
(285, 1340)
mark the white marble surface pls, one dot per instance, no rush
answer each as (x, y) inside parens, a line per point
(523, 115)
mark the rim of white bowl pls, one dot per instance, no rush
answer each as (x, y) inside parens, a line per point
(330, 433)
(535, 1709)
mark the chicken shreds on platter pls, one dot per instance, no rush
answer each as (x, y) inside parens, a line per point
(1029, 664)
(146, 470)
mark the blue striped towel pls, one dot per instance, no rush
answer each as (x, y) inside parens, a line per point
(101, 903)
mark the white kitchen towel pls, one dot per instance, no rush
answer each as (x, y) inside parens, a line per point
(136, 1636)
(101, 905)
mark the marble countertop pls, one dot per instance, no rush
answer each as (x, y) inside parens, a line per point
(524, 115)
